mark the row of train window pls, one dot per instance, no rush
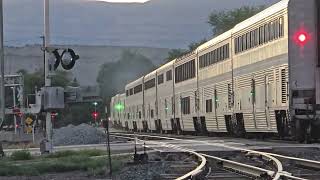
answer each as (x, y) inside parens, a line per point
(214, 56)
(264, 34)
(185, 71)
(149, 84)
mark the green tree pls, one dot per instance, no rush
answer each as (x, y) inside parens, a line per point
(36, 79)
(194, 45)
(113, 76)
(223, 21)
(174, 53)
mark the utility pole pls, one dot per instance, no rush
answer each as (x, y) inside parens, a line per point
(2, 89)
(46, 71)
(14, 106)
(43, 48)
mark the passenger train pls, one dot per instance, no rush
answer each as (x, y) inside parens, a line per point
(260, 77)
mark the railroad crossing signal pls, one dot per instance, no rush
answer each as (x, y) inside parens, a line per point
(67, 58)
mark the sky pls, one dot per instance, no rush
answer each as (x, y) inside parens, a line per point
(124, 1)
(158, 23)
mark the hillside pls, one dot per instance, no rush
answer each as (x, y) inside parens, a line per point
(86, 70)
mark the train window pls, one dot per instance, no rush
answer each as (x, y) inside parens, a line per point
(127, 93)
(193, 68)
(271, 31)
(172, 105)
(281, 27)
(140, 115)
(185, 105)
(215, 55)
(138, 89)
(276, 29)
(169, 75)
(222, 53)
(249, 40)
(244, 42)
(257, 37)
(160, 79)
(260, 35)
(228, 50)
(266, 33)
(209, 105)
(150, 84)
(236, 45)
(152, 113)
(131, 91)
(239, 44)
(211, 57)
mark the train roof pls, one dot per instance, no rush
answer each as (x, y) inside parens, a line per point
(165, 66)
(215, 40)
(187, 55)
(263, 14)
(134, 83)
(122, 96)
(153, 73)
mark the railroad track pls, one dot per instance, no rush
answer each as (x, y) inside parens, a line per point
(299, 168)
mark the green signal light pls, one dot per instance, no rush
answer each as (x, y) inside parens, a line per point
(119, 107)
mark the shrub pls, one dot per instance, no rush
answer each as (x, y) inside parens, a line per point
(21, 155)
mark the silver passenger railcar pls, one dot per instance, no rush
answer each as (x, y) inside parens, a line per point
(262, 76)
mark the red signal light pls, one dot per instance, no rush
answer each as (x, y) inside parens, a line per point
(301, 37)
(95, 115)
(53, 115)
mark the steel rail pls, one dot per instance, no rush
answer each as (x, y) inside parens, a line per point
(243, 168)
(190, 175)
(271, 156)
(275, 161)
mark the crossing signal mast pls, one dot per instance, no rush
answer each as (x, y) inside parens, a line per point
(53, 57)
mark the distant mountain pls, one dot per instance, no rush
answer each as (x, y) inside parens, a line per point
(158, 23)
(86, 70)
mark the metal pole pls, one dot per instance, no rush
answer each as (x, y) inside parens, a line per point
(14, 106)
(2, 89)
(46, 74)
(44, 55)
(108, 144)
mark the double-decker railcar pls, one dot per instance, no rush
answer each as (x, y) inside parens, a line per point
(165, 98)
(185, 93)
(150, 101)
(117, 113)
(134, 104)
(215, 84)
(262, 76)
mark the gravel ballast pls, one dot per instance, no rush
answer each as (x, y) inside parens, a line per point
(77, 135)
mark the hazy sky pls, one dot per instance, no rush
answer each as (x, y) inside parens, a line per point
(158, 23)
(124, 1)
